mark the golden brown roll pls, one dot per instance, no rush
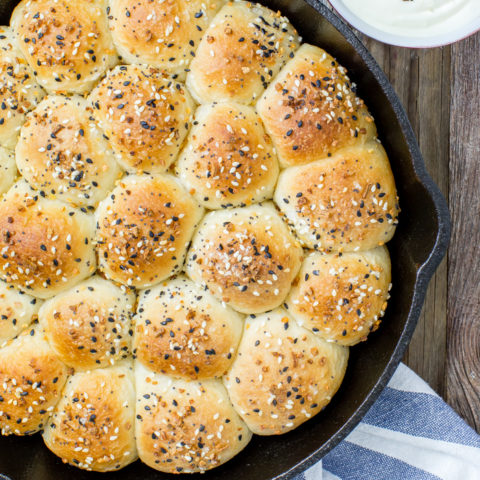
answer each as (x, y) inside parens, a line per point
(246, 257)
(162, 33)
(283, 374)
(146, 115)
(19, 91)
(8, 169)
(61, 151)
(31, 381)
(17, 311)
(341, 297)
(46, 247)
(228, 160)
(90, 325)
(311, 110)
(347, 202)
(93, 424)
(185, 427)
(67, 44)
(144, 228)
(183, 331)
(193, 153)
(240, 53)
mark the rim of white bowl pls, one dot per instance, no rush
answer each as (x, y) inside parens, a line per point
(465, 31)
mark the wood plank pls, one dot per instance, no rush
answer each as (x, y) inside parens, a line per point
(463, 355)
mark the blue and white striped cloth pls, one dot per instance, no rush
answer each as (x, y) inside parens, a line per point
(410, 433)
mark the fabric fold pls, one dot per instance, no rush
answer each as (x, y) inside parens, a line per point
(410, 433)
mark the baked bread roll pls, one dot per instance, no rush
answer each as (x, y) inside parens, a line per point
(47, 246)
(183, 331)
(90, 325)
(146, 115)
(144, 228)
(347, 202)
(163, 34)
(93, 424)
(17, 311)
(19, 91)
(8, 169)
(283, 374)
(117, 167)
(31, 380)
(311, 111)
(67, 44)
(185, 427)
(246, 257)
(228, 160)
(62, 152)
(341, 297)
(240, 53)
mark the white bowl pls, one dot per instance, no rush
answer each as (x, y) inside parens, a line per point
(470, 27)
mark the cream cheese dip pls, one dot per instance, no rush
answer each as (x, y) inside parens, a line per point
(415, 18)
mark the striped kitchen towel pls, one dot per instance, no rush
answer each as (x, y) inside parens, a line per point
(410, 433)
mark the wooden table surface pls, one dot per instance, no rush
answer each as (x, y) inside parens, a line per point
(440, 90)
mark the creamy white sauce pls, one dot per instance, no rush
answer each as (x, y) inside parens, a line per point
(419, 18)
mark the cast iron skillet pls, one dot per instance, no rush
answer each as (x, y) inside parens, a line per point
(416, 250)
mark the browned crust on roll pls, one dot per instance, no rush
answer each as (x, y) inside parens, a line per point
(246, 257)
(46, 246)
(311, 110)
(90, 326)
(62, 153)
(165, 34)
(31, 380)
(17, 311)
(93, 425)
(146, 115)
(342, 297)
(283, 374)
(183, 331)
(19, 90)
(244, 48)
(347, 202)
(67, 44)
(228, 160)
(144, 228)
(185, 427)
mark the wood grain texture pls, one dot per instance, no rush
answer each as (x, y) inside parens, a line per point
(463, 352)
